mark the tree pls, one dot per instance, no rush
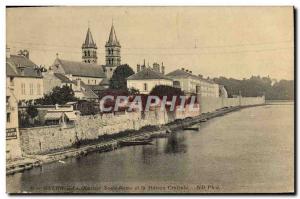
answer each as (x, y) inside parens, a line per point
(118, 79)
(59, 95)
(164, 90)
(32, 111)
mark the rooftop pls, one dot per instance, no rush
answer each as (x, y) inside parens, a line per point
(21, 66)
(148, 73)
(80, 68)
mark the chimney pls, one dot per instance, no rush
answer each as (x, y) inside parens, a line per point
(162, 68)
(138, 68)
(24, 53)
(144, 62)
(7, 52)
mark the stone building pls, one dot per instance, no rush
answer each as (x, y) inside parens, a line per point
(24, 75)
(146, 79)
(189, 82)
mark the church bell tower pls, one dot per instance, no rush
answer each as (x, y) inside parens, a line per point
(89, 49)
(112, 51)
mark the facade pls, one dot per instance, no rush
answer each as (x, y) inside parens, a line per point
(113, 53)
(13, 149)
(146, 80)
(189, 83)
(25, 76)
(89, 49)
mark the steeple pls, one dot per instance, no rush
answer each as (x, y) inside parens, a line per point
(89, 49)
(113, 49)
(89, 42)
(112, 40)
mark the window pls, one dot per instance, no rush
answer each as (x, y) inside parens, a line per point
(110, 69)
(88, 53)
(38, 89)
(88, 81)
(31, 89)
(8, 117)
(145, 87)
(95, 82)
(23, 91)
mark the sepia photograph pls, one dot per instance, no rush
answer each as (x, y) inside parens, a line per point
(150, 100)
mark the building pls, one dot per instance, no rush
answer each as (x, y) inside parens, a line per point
(146, 79)
(189, 82)
(89, 73)
(89, 49)
(24, 75)
(13, 149)
(81, 90)
(113, 53)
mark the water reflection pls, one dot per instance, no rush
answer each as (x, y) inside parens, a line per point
(176, 143)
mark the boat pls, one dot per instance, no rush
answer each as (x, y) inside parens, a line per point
(135, 142)
(191, 128)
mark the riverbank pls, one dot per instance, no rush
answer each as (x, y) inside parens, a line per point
(30, 161)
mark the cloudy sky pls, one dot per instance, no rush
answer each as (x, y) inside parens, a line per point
(213, 41)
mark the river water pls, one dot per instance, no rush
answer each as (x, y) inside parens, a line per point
(251, 150)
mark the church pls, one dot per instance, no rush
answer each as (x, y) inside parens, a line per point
(92, 77)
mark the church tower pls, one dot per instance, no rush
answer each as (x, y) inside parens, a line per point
(89, 49)
(113, 56)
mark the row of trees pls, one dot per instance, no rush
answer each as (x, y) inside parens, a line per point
(258, 86)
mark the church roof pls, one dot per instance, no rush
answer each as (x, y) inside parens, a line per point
(147, 73)
(15, 63)
(112, 40)
(80, 68)
(89, 42)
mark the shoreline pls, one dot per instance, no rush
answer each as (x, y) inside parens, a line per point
(31, 161)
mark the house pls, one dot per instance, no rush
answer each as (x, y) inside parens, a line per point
(145, 80)
(81, 90)
(24, 75)
(189, 83)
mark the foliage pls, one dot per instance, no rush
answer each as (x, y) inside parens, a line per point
(88, 108)
(118, 79)
(258, 86)
(32, 111)
(164, 90)
(59, 95)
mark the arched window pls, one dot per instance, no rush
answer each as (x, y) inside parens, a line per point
(88, 53)
(85, 53)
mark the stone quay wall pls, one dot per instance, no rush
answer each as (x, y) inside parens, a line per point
(48, 138)
(44, 139)
(209, 104)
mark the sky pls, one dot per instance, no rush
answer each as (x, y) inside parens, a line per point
(235, 42)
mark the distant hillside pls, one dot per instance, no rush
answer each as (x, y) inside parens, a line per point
(257, 86)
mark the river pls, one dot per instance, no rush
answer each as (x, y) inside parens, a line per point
(251, 150)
